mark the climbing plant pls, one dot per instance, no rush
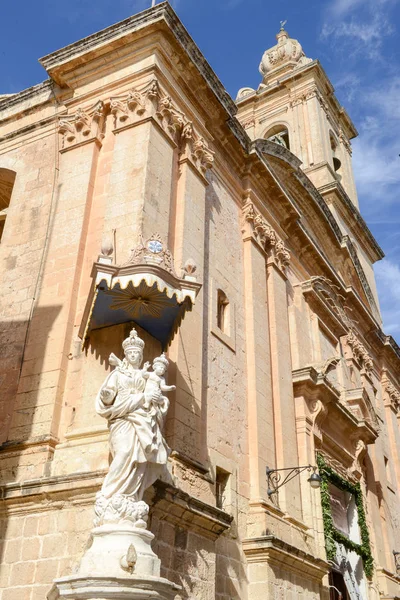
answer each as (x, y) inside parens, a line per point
(332, 534)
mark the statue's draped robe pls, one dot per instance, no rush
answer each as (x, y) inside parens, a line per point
(138, 449)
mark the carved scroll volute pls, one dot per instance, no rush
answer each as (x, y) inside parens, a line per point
(360, 450)
(319, 412)
(85, 125)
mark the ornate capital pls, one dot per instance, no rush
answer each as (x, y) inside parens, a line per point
(359, 352)
(131, 107)
(82, 126)
(391, 395)
(256, 225)
(150, 101)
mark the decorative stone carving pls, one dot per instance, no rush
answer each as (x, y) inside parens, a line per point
(360, 450)
(265, 235)
(82, 126)
(150, 101)
(287, 52)
(126, 108)
(392, 394)
(153, 252)
(359, 351)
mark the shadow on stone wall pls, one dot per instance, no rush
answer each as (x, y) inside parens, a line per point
(27, 447)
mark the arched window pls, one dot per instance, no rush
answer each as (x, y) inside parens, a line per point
(279, 135)
(335, 151)
(222, 312)
(7, 179)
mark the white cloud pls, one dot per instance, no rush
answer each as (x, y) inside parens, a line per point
(376, 158)
(388, 280)
(359, 26)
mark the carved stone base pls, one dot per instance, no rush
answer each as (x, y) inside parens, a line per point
(119, 563)
(77, 587)
(116, 550)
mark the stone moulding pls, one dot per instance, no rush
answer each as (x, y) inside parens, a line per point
(149, 101)
(256, 226)
(178, 507)
(272, 550)
(83, 126)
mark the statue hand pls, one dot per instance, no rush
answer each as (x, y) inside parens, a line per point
(156, 396)
(107, 396)
(146, 366)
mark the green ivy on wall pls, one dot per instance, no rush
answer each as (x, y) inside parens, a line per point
(332, 534)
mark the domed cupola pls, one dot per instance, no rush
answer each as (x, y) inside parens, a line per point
(285, 56)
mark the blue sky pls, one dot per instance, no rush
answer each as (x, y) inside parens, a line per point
(357, 42)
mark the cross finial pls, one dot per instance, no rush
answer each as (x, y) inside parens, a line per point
(283, 23)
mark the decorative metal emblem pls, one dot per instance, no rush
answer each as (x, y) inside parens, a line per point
(154, 246)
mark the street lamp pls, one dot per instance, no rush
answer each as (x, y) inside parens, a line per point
(275, 480)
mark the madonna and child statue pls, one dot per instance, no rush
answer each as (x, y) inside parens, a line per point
(133, 402)
(132, 399)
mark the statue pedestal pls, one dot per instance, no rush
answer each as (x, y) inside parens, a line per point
(118, 564)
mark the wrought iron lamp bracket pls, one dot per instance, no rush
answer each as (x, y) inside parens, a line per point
(274, 476)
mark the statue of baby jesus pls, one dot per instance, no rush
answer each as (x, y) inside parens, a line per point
(155, 381)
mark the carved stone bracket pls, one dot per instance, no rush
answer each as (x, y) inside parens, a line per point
(359, 352)
(255, 225)
(150, 101)
(83, 126)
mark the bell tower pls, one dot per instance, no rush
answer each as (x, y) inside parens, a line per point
(295, 106)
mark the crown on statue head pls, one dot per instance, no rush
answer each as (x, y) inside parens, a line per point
(161, 359)
(133, 341)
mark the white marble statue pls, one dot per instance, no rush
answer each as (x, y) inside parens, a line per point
(131, 400)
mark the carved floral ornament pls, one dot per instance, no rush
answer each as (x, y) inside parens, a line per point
(82, 126)
(359, 351)
(265, 236)
(145, 102)
(150, 101)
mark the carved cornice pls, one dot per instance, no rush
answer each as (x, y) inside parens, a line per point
(360, 353)
(346, 242)
(83, 126)
(256, 226)
(151, 102)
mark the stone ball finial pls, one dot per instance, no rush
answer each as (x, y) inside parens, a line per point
(189, 267)
(107, 248)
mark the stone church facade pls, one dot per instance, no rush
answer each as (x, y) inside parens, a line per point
(134, 192)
